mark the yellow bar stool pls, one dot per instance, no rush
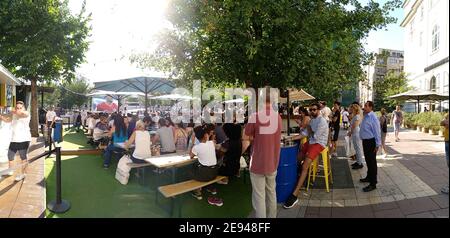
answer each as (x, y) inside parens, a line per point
(312, 174)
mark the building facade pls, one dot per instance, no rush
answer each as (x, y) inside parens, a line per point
(8, 85)
(386, 61)
(426, 48)
(7, 101)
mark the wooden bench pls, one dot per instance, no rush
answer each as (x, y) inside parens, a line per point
(82, 152)
(173, 190)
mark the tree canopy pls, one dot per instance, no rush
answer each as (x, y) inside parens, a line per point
(311, 44)
(41, 40)
(392, 84)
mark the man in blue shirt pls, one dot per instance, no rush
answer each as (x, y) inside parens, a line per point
(370, 133)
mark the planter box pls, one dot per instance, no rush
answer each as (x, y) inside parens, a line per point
(441, 133)
(419, 129)
(425, 130)
(433, 132)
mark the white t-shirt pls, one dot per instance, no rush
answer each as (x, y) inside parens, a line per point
(50, 115)
(345, 116)
(143, 144)
(206, 153)
(20, 129)
(326, 112)
(167, 140)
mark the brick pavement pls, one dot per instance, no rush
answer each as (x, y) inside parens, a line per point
(410, 180)
(25, 199)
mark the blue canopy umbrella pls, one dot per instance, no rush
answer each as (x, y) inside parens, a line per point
(145, 85)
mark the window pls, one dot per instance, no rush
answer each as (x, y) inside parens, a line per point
(392, 61)
(446, 82)
(420, 38)
(433, 84)
(421, 12)
(435, 39)
(411, 30)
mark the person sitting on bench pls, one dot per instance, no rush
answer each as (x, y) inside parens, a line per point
(166, 136)
(119, 135)
(100, 130)
(143, 144)
(206, 168)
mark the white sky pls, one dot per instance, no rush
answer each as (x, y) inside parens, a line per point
(123, 27)
(119, 28)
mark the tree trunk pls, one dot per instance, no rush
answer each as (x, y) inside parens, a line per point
(34, 125)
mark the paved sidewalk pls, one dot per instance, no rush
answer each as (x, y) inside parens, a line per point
(410, 180)
(25, 199)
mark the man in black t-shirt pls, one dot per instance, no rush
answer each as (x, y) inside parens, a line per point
(335, 127)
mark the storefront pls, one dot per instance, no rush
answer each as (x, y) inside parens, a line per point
(7, 102)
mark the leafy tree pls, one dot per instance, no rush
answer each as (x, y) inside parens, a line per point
(51, 99)
(393, 83)
(311, 44)
(40, 40)
(73, 93)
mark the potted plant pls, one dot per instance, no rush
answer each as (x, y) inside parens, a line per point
(434, 130)
(441, 131)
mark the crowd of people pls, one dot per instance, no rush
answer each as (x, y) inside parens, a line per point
(219, 146)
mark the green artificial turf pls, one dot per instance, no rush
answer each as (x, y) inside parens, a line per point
(94, 192)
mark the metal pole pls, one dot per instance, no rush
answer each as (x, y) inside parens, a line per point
(42, 99)
(58, 206)
(288, 115)
(58, 174)
(418, 105)
(146, 96)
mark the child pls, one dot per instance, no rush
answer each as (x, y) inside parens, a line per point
(206, 168)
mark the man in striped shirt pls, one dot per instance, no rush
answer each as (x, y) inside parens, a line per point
(370, 133)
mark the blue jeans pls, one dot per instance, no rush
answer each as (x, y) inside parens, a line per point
(447, 151)
(108, 153)
(357, 144)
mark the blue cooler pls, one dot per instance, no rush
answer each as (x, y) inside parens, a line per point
(287, 172)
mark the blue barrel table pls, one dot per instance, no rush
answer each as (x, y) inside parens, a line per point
(58, 131)
(287, 172)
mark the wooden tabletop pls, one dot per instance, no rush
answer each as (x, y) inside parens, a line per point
(170, 160)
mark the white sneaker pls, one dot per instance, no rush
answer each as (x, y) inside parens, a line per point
(222, 182)
(20, 177)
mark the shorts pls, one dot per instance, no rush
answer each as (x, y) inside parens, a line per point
(397, 126)
(203, 173)
(311, 151)
(335, 134)
(22, 147)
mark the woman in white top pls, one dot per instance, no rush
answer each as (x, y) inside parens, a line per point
(141, 138)
(21, 137)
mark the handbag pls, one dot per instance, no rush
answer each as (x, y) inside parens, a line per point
(349, 149)
(123, 169)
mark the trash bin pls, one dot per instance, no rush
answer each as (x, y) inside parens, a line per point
(58, 131)
(286, 179)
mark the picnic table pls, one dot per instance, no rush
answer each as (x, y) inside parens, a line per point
(171, 161)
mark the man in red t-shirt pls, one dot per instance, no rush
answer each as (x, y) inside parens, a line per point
(109, 106)
(264, 132)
